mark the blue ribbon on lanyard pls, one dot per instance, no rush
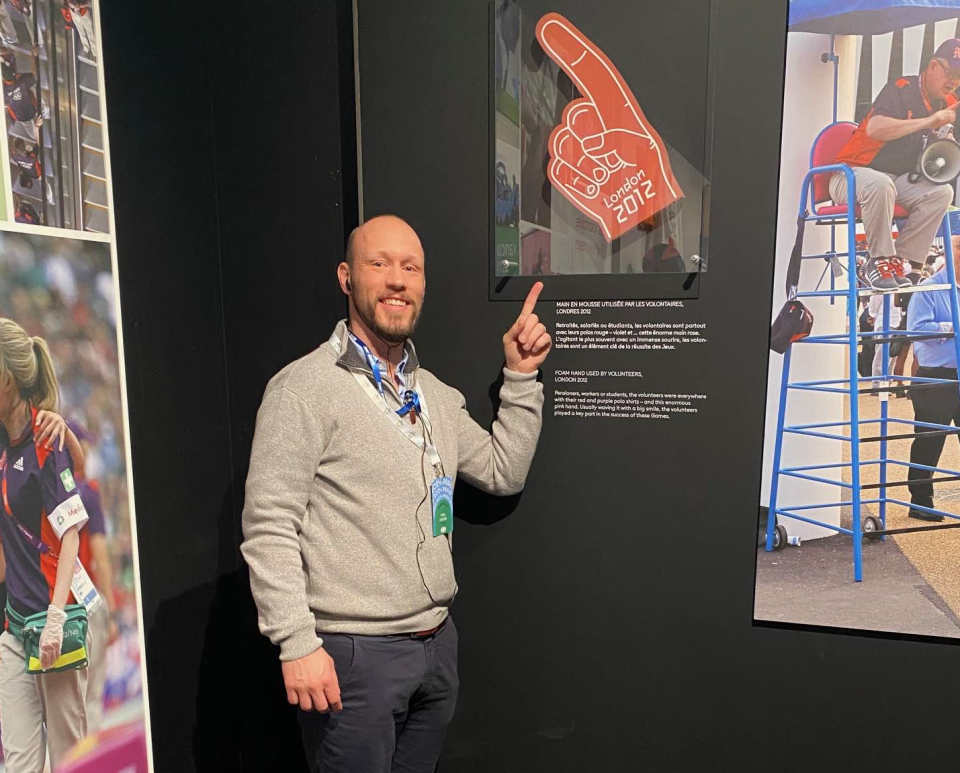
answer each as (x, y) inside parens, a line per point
(411, 402)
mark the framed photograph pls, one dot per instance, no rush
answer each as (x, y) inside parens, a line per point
(586, 194)
(860, 497)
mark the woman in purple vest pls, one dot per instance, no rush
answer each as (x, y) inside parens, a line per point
(40, 518)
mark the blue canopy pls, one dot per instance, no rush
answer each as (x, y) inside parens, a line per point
(867, 17)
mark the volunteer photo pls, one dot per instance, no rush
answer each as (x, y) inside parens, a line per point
(55, 149)
(860, 497)
(70, 654)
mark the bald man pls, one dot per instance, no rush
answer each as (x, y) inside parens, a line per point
(348, 516)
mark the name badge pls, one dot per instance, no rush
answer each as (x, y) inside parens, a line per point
(83, 589)
(441, 494)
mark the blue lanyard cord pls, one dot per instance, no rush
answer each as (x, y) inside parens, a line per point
(372, 361)
(411, 400)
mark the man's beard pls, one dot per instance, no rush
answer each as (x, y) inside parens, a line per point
(395, 333)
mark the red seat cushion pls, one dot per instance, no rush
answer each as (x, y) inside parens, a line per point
(825, 150)
(898, 211)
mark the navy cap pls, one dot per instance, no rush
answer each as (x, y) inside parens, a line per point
(949, 50)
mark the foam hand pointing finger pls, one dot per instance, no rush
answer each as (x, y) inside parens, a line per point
(527, 343)
(606, 158)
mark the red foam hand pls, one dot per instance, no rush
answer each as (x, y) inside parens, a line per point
(606, 158)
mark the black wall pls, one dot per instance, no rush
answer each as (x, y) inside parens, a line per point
(606, 624)
(225, 127)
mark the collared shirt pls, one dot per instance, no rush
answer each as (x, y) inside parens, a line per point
(901, 99)
(381, 365)
(353, 358)
(42, 495)
(930, 312)
(89, 491)
(20, 98)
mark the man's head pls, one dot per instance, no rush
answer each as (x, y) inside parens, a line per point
(942, 75)
(383, 276)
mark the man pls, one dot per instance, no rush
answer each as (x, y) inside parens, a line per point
(23, 105)
(8, 32)
(929, 312)
(25, 9)
(25, 213)
(885, 150)
(78, 15)
(24, 158)
(347, 517)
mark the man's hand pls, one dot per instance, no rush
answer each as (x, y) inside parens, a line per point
(943, 117)
(606, 157)
(527, 343)
(311, 682)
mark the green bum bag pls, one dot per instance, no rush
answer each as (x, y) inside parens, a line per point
(73, 651)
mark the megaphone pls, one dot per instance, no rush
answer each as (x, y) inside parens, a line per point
(940, 161)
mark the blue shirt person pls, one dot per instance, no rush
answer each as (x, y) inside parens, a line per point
(929, 312)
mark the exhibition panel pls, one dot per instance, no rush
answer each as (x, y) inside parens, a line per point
(859, 401)
(612, 611)
(583, 182)
(68, 500)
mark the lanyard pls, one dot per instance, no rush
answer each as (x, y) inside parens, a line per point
(410, 398)
(417, 402)
(374, 363)
(28, 535)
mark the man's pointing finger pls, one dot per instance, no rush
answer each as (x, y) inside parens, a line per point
(531, 300)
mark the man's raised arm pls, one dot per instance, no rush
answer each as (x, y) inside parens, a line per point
(498, 462)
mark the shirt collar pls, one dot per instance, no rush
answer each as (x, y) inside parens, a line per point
(351, 358)
(27, 434)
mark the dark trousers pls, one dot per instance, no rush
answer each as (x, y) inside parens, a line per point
(937, 405)
(398, 695)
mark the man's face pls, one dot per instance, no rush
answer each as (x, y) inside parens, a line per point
(941, 78)
(387, 278)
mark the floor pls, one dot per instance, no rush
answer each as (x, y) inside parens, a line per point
(911, 581)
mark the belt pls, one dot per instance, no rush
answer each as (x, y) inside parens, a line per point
(429, 631)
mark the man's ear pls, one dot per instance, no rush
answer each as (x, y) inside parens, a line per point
(343, 275)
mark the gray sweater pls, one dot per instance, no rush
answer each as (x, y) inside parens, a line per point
(335, 492)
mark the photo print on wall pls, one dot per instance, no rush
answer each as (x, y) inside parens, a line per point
(860, 489)
(59, 304)
(599, 191)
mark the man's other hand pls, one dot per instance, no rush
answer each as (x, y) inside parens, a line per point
(311, 682)
(527, 343)
(943, 117)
